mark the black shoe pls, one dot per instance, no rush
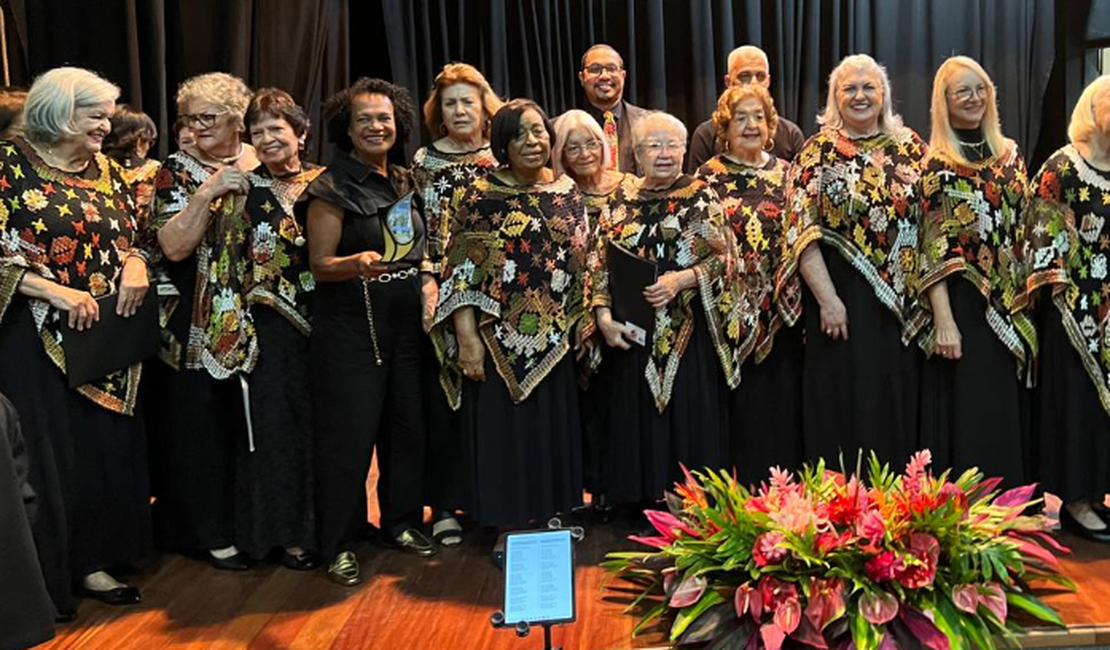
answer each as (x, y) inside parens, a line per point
(117, 596)
(413, 541)
(1100, 509)
(305, 561)
(237, 562)
(67, 616)
(1072, 525)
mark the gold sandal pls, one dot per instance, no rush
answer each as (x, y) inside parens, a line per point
(343, 570)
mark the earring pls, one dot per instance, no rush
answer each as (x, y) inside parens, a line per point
(769, 145)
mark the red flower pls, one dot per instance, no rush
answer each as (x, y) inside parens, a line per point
(883, 567)
(768, 549)
(829, 541)
(774, 592)
(926, 550)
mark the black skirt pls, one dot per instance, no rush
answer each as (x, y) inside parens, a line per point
(527, 456)
(861, 393)
(274, 485)
(449, 480)
(971, 408)
(1071, 435)
(645, 447)
(765, 411)
(88, 466)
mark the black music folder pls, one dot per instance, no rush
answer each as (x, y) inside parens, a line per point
(629, 275)
(112, 343)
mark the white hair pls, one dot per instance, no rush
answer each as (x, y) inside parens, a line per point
(568, 122)
(55, 96)
(747, 50)
(1082, 125)
(889, 121)
(654, 120)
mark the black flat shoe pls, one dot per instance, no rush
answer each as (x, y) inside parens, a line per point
(65, 617)
(237, 562)
(306, 561)
(118, 596)
(1100, 509)
(1072, 525)
(413, 541)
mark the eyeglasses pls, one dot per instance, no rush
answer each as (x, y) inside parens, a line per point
(597, 69)
(202, 120)
(578, 149)
(658, 147)
(965, 93)
(748, 77)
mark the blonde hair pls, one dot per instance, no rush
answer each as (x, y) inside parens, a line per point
(943, 139)
(568, 122)
(54, 98)
(1082, 125)
(889, 121)
(459, 73)
(726, 107)
(219, 88)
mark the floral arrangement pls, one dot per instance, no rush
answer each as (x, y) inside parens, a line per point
(825, 560)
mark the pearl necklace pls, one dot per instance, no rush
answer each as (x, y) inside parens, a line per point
(228, 160)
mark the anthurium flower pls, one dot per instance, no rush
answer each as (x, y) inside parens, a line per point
(748, 599)
(878, 607)
(966, 598)
(925, 549)
(826, 602)
(994, 598)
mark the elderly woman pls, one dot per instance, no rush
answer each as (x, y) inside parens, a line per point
(852, 221)
(200, 226)
(459, 110)
(580, 152)
(366, 249)
(1064, 247)
(751, 183)
(974, 185)
(274, 478)
(668, 401)
(69, 234)
(508, 306)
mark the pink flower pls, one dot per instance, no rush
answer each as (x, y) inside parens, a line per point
(884, 566)
(966, 598)
(878, 607)
(870, 526)
(774, 592)
(926, 550)
(768, 548)
(748, 599)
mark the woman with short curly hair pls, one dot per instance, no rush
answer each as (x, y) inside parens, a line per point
(366, 251)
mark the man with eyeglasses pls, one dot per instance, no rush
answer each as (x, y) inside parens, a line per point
(602, 78)
(746, 64)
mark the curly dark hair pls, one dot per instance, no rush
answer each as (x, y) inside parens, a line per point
(337, 110)
(129, 126)
(506, 126)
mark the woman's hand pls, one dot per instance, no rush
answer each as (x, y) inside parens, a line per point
(429, 297)
(834, 318)
(472, 356)
(133, 286)
(82, 307)
(370, 265)
(226, 180)
(949, 342)
(667, 287)
(612, 331)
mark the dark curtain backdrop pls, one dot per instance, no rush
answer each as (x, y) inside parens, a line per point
(675, 51)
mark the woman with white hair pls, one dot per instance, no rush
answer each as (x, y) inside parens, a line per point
(668, 394)
(851, 231)
(974, 185)
(201, 227)
(68, 240)
(1066, 237)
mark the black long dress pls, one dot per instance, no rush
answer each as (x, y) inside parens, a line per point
(440, 178)
(517, 258)
(765, 415)
(1065, 258)
(859, 200)
(971, 408)
(26, 613)
(86, 448)
(367, 347)
(667, 403)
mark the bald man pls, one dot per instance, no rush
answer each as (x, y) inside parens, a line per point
(747, 64)
(602, 77)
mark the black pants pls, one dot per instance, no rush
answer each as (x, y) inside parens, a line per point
(358, 404)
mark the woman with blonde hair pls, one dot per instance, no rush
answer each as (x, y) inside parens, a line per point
(851, 231)
(458, 113)
(973, 188)
(1065, 240)
(751, 183)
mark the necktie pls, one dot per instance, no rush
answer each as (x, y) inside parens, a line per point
(610, 127)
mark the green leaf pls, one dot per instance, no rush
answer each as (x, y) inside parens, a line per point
(977, 633)
(1032, 605)
(864, 634)
(688, 615)
(947, 619)
(652, 614)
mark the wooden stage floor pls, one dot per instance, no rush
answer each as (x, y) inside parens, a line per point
(407, 603)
